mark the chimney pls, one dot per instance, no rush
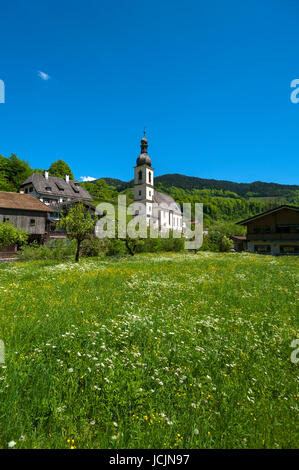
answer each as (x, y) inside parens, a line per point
(46, 175)
(67, 178)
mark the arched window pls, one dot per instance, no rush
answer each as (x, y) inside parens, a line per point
(149, 177)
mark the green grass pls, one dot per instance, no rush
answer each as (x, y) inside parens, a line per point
(156, 351)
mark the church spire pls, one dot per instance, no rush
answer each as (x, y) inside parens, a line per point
(144, 158)
(144, 143)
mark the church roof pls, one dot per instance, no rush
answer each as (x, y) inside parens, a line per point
(144, 159)
(58, 187)
(165, 201)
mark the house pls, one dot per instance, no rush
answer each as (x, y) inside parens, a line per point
(159, 208)
(25, 212)
(52, 190)
(275, 231)
(240, 243)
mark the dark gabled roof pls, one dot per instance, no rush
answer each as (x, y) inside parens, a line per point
(166, 202)
(59, 187)
(270, 211)
(25, 202)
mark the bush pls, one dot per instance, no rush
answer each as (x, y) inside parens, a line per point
(226, 244)
(215, 241)
(114, 247)
(55, 249)
(10, 235)
(154, 245)
(92, 247)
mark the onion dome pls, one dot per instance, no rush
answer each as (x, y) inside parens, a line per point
(144, 158)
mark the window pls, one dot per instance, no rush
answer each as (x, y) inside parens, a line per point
(48, 188)
(150, 193)
(5, 219)
(287, 228)
(139, 193)
(289, 249)
(262, 248)
(256, 229)
(26, 190)
(140, 175)
(149, 177)
(32, 222)
(31, 189)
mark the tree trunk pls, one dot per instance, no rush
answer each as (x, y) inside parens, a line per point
(78, 251)
(131, 249)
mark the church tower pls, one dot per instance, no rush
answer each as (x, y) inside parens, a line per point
(144, 182)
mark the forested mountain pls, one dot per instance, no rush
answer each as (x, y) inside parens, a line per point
(257, 189)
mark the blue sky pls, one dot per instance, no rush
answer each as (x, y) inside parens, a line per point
(209, 79)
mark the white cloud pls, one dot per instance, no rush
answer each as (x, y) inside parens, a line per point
(43, 75)
(87, 178)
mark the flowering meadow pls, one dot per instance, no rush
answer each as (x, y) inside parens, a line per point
(156, 351)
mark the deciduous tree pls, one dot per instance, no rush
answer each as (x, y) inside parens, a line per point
(78, 224)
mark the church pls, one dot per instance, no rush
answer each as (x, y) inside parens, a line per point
(160, 209)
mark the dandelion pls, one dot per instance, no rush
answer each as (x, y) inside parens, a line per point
(11, 444)
(70, 369)
(196, 431)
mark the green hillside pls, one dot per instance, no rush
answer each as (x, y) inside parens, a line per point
(222, 200)
(268, 193)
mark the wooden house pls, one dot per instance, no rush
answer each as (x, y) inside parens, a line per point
(275, 231)
(25, 212)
